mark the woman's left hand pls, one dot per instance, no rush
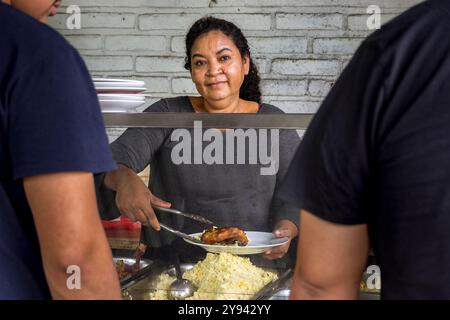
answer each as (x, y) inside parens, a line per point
(284, 228)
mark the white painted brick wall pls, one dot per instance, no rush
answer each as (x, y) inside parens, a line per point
(284, 87)
(359, 22)
(159, 64)
(109, 63)
(319, 88)
(310, 21)
(183, 86)
(86, 42)
(302, 67)
(299, 46)
(135, 43)
(341, 46)
(278, 45)
(166, 21)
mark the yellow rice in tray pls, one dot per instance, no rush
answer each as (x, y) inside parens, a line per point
(219, 277)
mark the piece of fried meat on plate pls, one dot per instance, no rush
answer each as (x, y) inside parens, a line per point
(225, 235)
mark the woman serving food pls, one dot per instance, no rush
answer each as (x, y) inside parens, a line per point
(224, 184)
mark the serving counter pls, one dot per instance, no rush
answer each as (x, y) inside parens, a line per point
(141, 284)
(145, 284)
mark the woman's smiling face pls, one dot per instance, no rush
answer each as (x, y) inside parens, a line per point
(217, 67)
(39, 9)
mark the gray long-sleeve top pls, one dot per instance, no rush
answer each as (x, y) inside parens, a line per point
(228, 194)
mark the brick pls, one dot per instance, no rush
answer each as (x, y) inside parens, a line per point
(178, 44)
(249, 21)
(145, 3)
(319, 88)
(182, 21)
(138, 43)
(103, 3)
(179, 21)
(263, 65)
(306, 67)
(108, 20)
(314, 3)
(86, 42)
(98, 20)
(178, 3)
(336, 46)
(278, 45)
(359, 22)
(309, 21)
(159, 64)
(184, 86)
(109, 63)
(284, 87)
(156, 84)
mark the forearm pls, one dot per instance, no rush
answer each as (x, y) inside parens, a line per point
(70, 234)
(114, 179)
(302, 289)
(330, 259)
(97, 275)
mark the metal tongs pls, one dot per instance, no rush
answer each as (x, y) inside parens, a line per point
(270, 289)
(184, 214)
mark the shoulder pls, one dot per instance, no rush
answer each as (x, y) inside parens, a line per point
(29, 48)
(28, 40)
(415, 25)
(174, 104)
(269, 108)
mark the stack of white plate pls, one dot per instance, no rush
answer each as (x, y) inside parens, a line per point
(119, 95)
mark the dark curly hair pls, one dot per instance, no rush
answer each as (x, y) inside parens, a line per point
(250, 88)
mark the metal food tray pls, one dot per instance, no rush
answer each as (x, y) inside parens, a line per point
(139, 290)
(283, 292)
(145, 282)
(144, 266)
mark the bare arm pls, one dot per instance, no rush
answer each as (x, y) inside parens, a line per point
(330, 259)
(133, 198)
(70, 233)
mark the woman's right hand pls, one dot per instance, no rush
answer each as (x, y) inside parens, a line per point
(134, 199)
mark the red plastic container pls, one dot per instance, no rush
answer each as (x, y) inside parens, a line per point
(122, 233)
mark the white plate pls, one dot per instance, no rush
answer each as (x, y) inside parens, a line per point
(124, 90)
(259, 242)
(119, 105)
(101, 81)
(113, 80)
(112, 96)
(119, 84)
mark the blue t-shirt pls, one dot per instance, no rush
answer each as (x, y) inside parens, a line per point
(50, 121)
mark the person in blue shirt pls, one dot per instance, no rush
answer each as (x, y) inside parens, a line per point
(52, 140)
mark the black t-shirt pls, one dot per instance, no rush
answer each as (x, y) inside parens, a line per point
(378, 152)
(50, 121)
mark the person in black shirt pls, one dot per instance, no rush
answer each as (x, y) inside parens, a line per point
(374, 167)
